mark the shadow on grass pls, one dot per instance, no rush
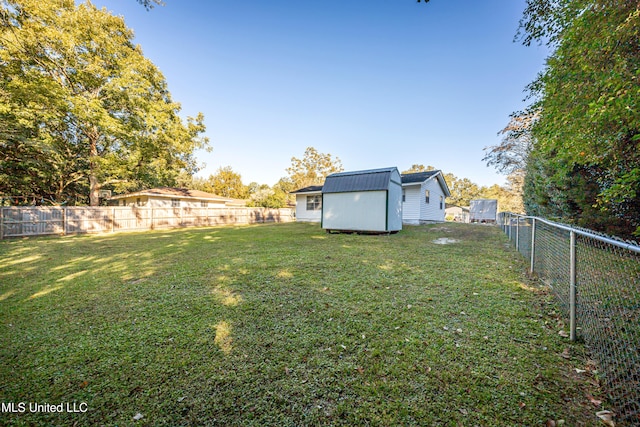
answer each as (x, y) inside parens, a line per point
(282, 325)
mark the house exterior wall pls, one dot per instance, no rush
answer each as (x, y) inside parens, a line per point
(415, 209)
(394, 203)
(163, 202)
(358, 211)
(304, 215)
(411, 205)
(457, 214)
(434, 210)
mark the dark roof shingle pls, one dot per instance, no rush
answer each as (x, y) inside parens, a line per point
(408, 178)
(309, 189)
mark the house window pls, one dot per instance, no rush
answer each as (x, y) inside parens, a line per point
(314, 203)
(175, 203)
(204, 204)
(441, 202)
(426, 196)
(404, 195)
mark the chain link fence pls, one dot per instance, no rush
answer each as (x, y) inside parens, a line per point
(596, 278)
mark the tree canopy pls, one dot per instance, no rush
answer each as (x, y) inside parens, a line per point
(419, 168)
(82, 108)
(149, 4)
(582, 160)
(313, 168)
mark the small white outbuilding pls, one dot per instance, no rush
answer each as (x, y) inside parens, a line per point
(367, 201)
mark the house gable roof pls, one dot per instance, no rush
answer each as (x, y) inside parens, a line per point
(365, 180)
(420, 177)
(172, 193)
(409, 178)
(309, 189)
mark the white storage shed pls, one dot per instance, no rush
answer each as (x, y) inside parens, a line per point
(483, 210)
(363, 201)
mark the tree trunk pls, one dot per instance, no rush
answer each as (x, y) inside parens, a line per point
(94, 184)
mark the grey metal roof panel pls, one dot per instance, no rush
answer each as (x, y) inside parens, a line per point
(367, 180)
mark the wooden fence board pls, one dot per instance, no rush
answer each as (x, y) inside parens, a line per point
(39, 221)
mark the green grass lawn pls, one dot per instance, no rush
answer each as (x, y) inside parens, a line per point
(285, 325)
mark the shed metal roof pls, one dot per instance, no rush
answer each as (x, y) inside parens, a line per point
(365, 180)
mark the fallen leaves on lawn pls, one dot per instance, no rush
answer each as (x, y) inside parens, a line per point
(593, 400)
(606, 417)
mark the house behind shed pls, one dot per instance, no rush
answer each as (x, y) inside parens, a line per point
(424, 196)
(363, 201)
(309, 203)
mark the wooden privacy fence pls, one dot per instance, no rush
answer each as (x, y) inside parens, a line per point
(38, 221)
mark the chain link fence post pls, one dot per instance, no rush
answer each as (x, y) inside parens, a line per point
(518, 233)
(572, 285)
(533, 245)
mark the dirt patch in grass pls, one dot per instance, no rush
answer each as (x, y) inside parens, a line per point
(445, 241)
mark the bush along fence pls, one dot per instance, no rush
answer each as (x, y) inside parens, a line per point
(597, 281)
(38, 221)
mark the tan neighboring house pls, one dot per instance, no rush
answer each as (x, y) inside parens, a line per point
(456, 213)
(166, 197)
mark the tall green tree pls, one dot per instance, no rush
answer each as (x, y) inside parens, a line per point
(585, 160)
(80, 94)
(266, 197)
(313, 168)
(462, 190)
(225, 182)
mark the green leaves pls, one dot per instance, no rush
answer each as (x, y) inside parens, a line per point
(589, 115)
(74, 76)
(313, 168)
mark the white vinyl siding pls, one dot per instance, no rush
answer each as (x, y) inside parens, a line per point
(415, 208)
(394, 214)
(358, 211)
(411, 205)
(431, 211)
(304, 215)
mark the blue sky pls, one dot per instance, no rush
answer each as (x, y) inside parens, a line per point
(376, 83)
